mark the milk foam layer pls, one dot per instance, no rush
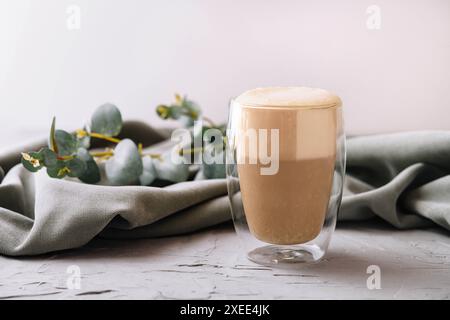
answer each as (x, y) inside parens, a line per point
(289, 97)
(307, 120)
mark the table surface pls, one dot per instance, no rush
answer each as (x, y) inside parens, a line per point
(414, 264)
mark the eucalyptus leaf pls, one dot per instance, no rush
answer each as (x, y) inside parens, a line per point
(213, 154)
(91, 174)
(84, 141)
(76, 167)
(193, 111)
(184, 110)
(125, 167)
(30, 167)
(107, 120)
(58, 171)
(175, 111)
(51, 140)
(49, 157)
(163, 111)
(66, 143)
(192, 107)
(186, 121)
(168, 170)
(53, 172)
(212, 138)
(148, 173)
(32, 161)
(215, 170)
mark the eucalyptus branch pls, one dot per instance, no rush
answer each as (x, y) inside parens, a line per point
(102, 154)
(68, 154)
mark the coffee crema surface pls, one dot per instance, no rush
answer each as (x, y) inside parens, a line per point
(289, 97)
(289, 207)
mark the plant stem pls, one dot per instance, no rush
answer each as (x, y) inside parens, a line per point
(152, 155)
(101, 136)
(110, 153)
(102, 154)
(66, 157)
(83, 133)
(190, 151)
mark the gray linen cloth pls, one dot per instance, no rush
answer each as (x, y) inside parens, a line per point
(403, 178)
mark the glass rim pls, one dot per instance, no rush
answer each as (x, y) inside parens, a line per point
(293, 108)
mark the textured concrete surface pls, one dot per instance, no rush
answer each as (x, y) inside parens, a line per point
(209, 265)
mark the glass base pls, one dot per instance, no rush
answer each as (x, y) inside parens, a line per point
(274, 255)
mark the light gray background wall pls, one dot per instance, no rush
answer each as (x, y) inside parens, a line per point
(137, 53)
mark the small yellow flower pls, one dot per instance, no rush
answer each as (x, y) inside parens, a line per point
(81, 133)
(30, 159)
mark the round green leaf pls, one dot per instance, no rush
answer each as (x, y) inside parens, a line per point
(49, 157)
(192, 107)
(193, 112)
(214, 170)
(175, 112)
(163, 111)
(32, 161)
(84, 142)
(186, 121)
(57, 171)
(148, 173)
(107, 120)
(166, 169)
(125, 167)
(66, 143)
(76, 166)
(92, 172)
(29, 166)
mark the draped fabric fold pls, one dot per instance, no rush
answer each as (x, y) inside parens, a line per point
(402, 178)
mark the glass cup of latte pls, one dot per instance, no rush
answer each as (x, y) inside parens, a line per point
(285, 170)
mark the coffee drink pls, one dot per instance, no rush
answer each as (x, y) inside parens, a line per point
(288, 206)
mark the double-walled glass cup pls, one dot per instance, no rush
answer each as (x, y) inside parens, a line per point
(285, 171)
